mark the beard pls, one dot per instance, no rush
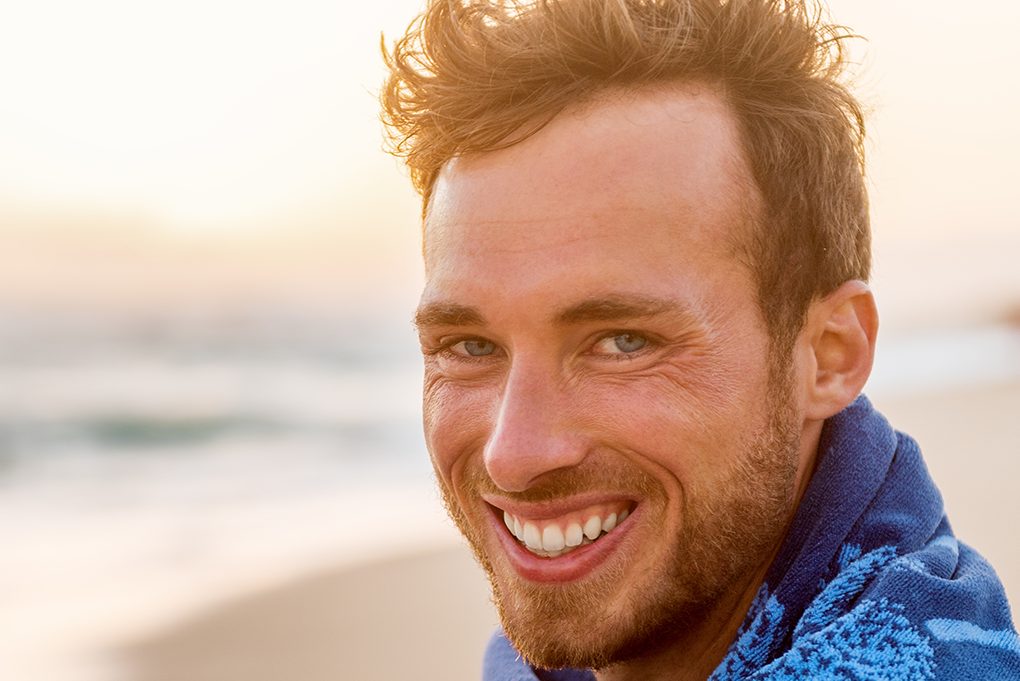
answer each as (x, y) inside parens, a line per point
(630, 610)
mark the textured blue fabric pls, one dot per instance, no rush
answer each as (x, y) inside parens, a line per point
(870, 583)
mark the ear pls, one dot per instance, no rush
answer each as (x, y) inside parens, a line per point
(840, 332)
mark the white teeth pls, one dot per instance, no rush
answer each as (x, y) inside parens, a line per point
(552, 538)
(532, 537)
(575, 535)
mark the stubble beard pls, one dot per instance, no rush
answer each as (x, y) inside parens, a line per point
(721, 540)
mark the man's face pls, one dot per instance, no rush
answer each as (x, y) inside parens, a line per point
(597, 399)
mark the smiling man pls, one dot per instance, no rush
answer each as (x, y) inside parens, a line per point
(646, 327)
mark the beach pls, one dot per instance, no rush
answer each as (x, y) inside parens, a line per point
(425, 614)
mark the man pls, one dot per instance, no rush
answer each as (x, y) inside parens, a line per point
(646, 327)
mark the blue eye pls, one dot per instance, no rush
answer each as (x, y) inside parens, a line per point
(474, 347)
(629, 342)
(621, 344)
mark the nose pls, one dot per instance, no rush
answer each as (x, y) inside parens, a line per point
(531, 434)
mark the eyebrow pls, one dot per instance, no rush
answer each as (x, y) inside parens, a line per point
(447, 314)
(604, 308)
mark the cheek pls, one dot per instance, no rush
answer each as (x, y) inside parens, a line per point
(683, 416)
(457, 421)
(688, 392)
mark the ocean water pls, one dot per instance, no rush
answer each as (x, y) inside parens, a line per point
(153, 463)
(82, 396)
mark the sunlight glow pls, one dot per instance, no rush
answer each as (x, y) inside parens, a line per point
(200, 112)
(226, 115)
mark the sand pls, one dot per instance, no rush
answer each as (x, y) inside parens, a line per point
(421, 616)
(427, 615)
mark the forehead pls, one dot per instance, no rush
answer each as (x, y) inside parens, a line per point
(657, 176)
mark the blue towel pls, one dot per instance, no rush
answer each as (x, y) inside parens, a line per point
(870, 583)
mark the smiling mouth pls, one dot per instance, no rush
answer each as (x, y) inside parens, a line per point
(559, 536)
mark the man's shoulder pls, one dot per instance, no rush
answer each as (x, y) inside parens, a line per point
(955, 602)
(938, 612)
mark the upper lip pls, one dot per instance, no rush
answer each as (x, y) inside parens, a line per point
(547, 510)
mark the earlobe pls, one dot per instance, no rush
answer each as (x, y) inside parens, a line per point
(841, 329)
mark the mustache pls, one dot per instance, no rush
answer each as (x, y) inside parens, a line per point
(595, 475)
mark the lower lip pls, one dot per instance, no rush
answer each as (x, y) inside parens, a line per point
(566, 568)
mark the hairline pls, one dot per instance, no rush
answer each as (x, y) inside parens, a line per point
(750, 212)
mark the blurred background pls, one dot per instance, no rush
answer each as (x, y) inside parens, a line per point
(211, 464)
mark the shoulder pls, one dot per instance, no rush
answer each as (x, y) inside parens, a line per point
(936, 613)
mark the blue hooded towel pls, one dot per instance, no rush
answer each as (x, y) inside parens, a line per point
(869, 584)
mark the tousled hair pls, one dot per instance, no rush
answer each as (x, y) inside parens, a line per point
(479, 75)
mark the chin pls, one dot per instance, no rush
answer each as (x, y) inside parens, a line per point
(567, 628)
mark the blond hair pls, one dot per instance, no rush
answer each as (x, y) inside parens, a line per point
(478, 75)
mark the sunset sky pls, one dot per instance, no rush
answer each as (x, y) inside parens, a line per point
(205, 114)
(200, 121)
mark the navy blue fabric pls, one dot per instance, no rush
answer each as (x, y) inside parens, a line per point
(870, 583)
